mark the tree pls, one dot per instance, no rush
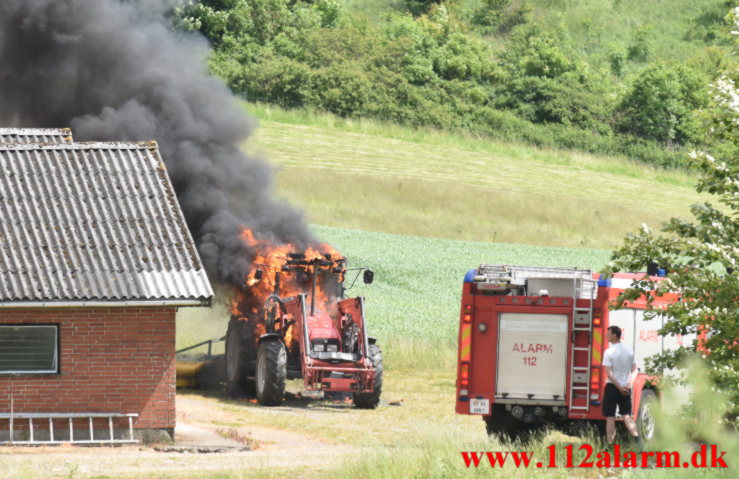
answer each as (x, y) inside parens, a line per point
(661, 102)
(701, 255)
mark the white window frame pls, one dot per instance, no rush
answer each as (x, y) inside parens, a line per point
(55, 369)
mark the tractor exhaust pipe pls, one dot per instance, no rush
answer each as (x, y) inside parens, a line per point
(313, 291)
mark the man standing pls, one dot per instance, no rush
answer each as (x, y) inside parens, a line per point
(621, 371)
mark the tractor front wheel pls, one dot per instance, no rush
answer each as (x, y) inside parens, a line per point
(271, 372)
(370, 400)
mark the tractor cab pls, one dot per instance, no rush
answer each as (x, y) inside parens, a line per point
(305, 328)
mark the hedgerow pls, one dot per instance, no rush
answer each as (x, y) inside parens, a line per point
(430, 70)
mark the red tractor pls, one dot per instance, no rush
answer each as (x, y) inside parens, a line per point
(320, 337)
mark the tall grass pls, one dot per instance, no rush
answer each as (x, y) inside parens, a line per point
(439, 208)
(372, 176)
(439, 456)
(677, 30)
(428, 136)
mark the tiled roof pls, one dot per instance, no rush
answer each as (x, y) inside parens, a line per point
(35, 135)
(93, 222)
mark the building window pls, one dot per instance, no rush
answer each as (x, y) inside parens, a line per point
(29, 349)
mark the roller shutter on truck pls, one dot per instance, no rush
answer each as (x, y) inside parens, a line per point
(532, 356)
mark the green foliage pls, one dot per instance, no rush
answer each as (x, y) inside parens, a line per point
(617, 60)
(706, 27)
(548, 83)
(518, 13)
(340, 88)
(661, 104)
(330, 12)
(535, 82)
(418, 7)
(702, 255)
(490, 12)
(640, 48)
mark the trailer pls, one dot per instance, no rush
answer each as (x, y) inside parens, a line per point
(531, 343)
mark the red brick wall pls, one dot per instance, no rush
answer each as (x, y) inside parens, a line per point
(119, 360)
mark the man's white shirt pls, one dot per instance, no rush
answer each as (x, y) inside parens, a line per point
(620, 358)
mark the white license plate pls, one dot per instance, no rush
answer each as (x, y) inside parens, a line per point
(479, 406)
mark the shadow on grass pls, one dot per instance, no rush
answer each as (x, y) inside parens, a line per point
(300, 400)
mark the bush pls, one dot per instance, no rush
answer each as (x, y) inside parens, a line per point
(617, 61)
(490, 12)
(640, 48)
(548, 83)
(277, 80)
(340, 88)
(417, 7)
(661, 104)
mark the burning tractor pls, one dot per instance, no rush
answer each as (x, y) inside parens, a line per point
(293, 320)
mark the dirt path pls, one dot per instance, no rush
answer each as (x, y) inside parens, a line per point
(268, 444)
(200, 448)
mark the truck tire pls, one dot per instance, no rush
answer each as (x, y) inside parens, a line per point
(646, 420)
(371, 400)
(237, 384)
(503, 425)
(271, 372)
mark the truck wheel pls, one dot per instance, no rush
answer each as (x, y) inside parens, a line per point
(503, 425)
(236, 360)
(646, 421)
(372, 399)
(271, 373)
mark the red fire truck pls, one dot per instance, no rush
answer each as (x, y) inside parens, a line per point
(531, 343)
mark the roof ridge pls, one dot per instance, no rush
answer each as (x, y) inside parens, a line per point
(83, 145)
(26, 131)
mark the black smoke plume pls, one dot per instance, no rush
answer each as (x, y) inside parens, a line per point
(116, 70)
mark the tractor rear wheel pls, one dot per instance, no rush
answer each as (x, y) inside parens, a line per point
(271, 372)
(372, 399)
(236, 359)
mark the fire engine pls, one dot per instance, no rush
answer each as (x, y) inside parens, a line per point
(531, 343)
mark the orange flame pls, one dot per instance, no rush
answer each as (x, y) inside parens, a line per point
(270, 258)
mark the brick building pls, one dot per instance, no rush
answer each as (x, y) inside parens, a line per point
(95, 259)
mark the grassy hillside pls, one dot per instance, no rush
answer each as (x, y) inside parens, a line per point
(381, 177)
(674, 30)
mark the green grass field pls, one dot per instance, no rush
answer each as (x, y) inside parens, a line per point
(380, 177)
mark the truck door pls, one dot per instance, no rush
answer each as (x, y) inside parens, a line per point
(532, 356)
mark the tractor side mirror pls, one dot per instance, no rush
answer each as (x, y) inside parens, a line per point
(258, 274)
(369, 276)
